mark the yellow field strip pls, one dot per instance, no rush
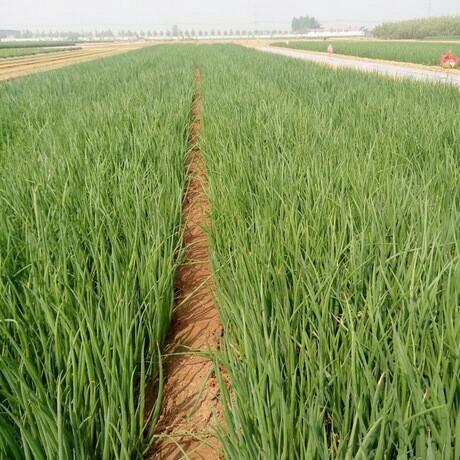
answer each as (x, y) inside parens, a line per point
(11, 68)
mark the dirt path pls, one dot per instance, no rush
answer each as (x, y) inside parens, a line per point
(15, 67)
(390, 69)
(191, 405)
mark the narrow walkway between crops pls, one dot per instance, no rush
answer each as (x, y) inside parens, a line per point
(396, 70)
(191, 405)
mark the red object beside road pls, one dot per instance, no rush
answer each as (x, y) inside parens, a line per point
(449, 60)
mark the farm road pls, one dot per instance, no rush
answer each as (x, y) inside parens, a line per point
(390, 69)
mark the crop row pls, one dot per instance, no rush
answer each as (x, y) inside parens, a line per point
(91, 181)
(336, 246)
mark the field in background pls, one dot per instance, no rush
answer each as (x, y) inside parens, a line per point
(30, 51)
(425, 53)
(35, 44)
(15, 67)
(419, 29)
(92, 176)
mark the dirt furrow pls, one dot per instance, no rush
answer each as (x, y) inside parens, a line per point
(191, 406)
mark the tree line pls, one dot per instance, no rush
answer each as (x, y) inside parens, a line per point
(300, 24)
(174, 32)
(447, 26)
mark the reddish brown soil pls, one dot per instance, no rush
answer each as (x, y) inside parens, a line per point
(191, 406)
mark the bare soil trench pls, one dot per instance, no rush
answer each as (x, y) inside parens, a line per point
(191, 404)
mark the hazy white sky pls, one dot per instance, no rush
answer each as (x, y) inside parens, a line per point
(162, 14)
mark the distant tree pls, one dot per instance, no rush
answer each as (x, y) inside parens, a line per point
(213, 32)
(448, 26)
(205, 33)
(230, 32)
(175, 31)
(200, 33)
(192, 33)
(303, 24)
(187, 33)
(168, 33)
(73, 36)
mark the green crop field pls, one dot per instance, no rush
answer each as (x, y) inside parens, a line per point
(425, 53)
(91, 179)
(17, 52)
(334, 241)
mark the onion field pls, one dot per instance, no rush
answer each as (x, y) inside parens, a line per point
(425, 53)
(91, 179)
(334, 240)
